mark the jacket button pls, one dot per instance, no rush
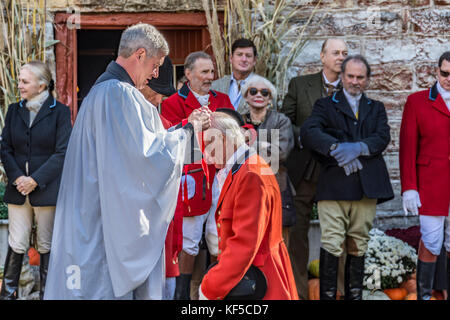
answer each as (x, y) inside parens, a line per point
(218, 213)
(218, 225)
(355, 123)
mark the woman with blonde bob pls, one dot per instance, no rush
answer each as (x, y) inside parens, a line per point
(33, 146)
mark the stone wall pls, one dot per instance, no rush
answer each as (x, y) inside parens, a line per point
(126, 5)
(402, 40)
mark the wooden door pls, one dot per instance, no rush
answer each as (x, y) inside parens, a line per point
(77, 68)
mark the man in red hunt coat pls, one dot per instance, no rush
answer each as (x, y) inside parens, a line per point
(425, 172)
(198, 194)
(249, 215)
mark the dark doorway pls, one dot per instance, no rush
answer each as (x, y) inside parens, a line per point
(96, 49)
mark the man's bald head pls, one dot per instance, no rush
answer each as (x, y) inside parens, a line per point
(332, 55)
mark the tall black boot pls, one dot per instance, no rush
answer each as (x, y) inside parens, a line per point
(328, 270)
(11, 275)
(43, 268)
(354, 277)
(183, 287)
(424, 278)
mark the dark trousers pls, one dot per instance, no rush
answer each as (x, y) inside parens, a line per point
(298, 246)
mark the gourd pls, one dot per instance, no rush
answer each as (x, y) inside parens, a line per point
(313, 268)
(34, 257)
(396, 293)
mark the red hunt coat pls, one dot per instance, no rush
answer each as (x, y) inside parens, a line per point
(425, 151)
(176, 108)
(249, 227)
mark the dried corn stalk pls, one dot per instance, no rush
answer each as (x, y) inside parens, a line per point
(270, 25)
(22, 39)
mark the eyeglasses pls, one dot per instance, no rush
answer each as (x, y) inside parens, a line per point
(254, 92)
(444, 74)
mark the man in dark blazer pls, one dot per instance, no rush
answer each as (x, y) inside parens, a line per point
(348, 132)
(303, 169)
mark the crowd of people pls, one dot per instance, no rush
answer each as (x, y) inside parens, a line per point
(123, 199)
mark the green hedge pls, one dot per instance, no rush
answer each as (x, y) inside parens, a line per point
(3, 206)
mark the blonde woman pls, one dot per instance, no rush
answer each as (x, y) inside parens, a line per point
(33, 146)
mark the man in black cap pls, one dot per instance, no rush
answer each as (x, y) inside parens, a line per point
(159, 88)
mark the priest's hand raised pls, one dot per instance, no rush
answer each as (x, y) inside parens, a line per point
(200, 119)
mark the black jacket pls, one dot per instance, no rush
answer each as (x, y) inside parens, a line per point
(43, 146)
(333, 121)
(298, 103)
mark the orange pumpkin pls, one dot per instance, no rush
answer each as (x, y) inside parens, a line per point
(410, 285)
(438, 295)
(396, 294)
(411, 296)
(314, 289)
(34, 257)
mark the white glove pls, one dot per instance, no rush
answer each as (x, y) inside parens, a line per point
(201, 296)
(411, 202)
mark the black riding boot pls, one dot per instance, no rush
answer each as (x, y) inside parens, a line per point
(354, 277)
(328, 270)
(43, 268)
(183, 287)
(425, 277)
(11, 275)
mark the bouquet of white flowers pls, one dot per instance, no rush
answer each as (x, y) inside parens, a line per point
(388, 261)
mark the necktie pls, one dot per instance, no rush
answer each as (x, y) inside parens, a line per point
(238, 82)
(330, 89)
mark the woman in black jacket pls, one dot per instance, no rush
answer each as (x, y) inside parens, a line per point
(33, 146)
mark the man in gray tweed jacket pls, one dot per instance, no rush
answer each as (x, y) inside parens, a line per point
(243, 60)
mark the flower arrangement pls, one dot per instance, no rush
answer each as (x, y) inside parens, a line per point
(389, 261)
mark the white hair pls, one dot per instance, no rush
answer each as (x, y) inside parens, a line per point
(145, 36)
(229, 127)
(257, 79)
(42, 72)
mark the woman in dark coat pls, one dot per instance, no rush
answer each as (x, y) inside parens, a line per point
(33, 146)
(259, 92)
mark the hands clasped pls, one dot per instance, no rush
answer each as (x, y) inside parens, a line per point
(200, 118)
(346, 154)
(25, 185)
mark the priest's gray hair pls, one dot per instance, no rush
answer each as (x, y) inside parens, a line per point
(142, 35)
(258, 80)
(229, 127)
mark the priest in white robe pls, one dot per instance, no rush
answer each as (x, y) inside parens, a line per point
(119, 184)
